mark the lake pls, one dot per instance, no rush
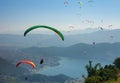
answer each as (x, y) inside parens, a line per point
(72, 67)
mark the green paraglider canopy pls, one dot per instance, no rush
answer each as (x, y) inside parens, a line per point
(44, 26)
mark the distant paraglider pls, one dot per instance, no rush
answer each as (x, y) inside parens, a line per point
(44, 26)
(26, 78)
(66, 3)
(80, 3)
(88, 21)
(111, 37)
(100, 28)
(110, 25)
(26, 61)
(94, 43)
(71, 27)
(41, 62)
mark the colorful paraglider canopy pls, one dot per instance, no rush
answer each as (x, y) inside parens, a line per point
(26, 61)
(44, 26)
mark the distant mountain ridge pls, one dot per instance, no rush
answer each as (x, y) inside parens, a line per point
(44, 40)
(84, 51)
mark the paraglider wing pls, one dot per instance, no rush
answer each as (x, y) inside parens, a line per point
(43, 26)
(26, 61)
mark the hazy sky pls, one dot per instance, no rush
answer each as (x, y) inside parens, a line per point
(18, 15)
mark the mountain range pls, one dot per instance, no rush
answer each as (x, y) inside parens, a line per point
(82, 51)
(44, 40)
(101, 45)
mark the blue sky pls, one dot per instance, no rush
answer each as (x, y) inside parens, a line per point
(18, 15)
